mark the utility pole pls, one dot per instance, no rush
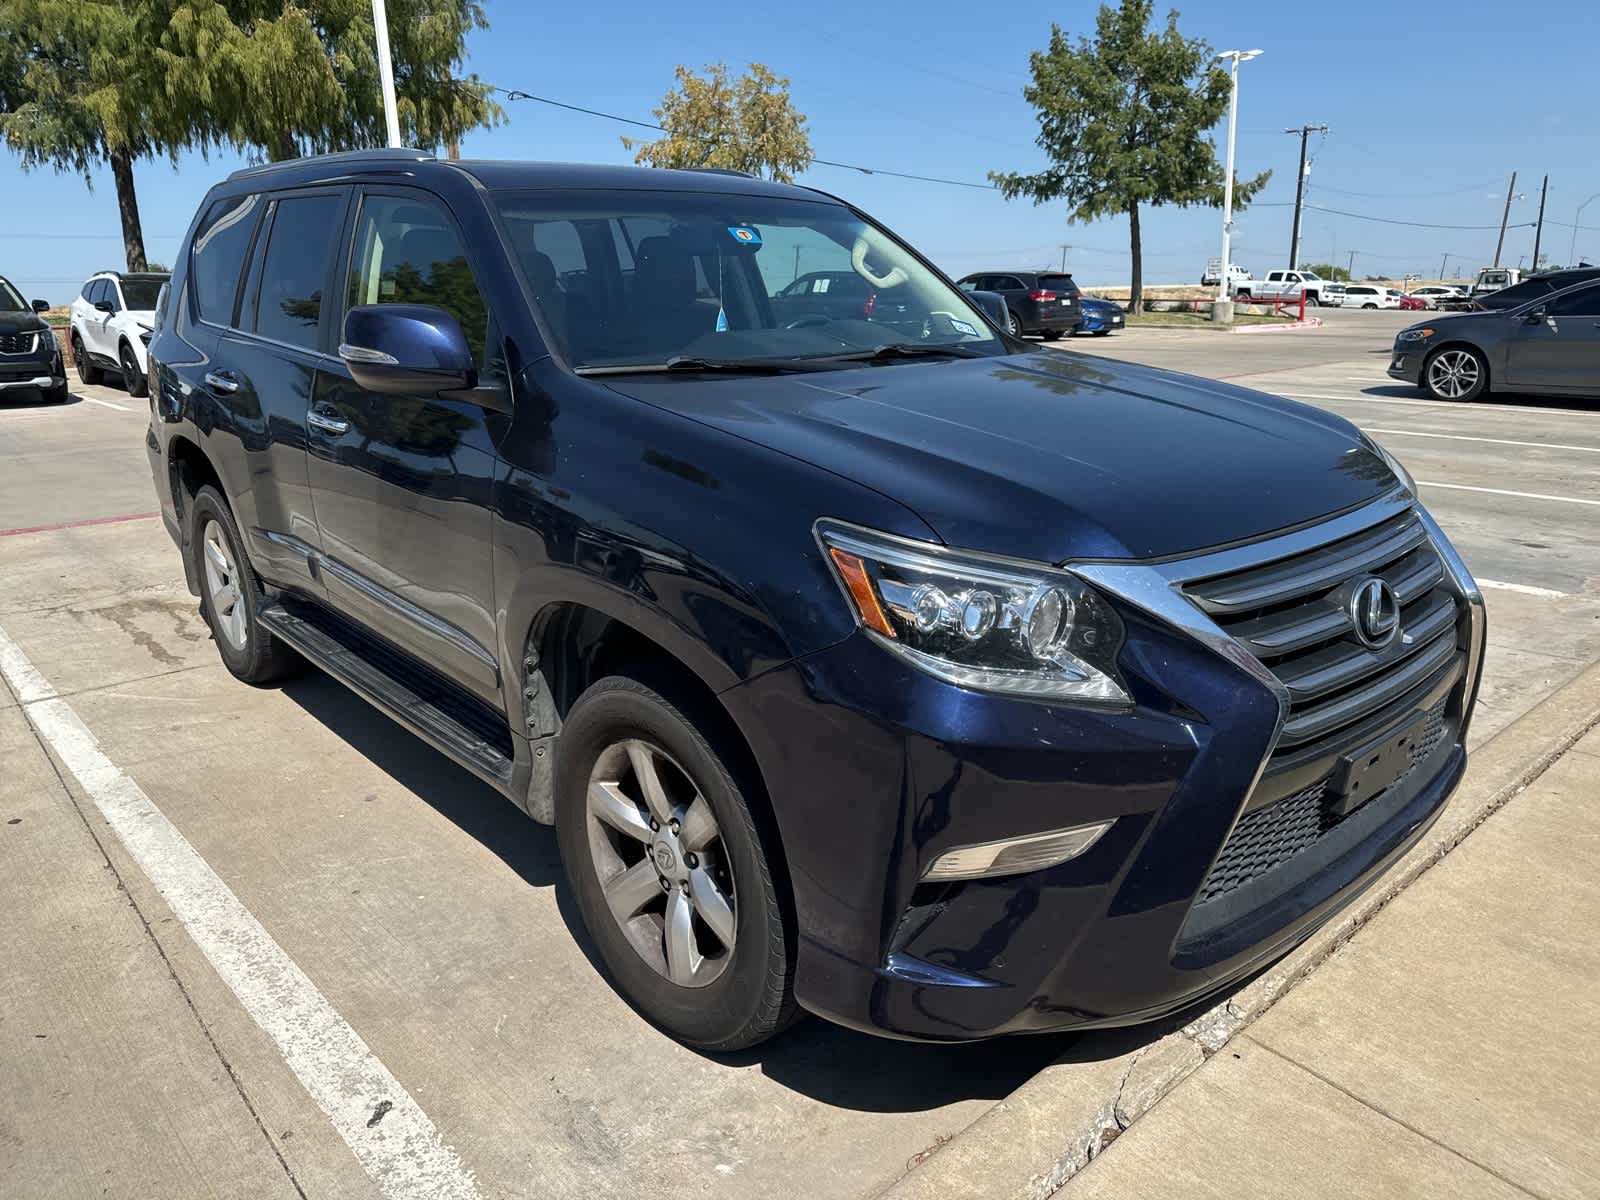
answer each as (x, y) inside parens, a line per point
(1064, 248)
(1504, 217)
(1305, 131)
(1442, 263)
(1351, 269)
(1538, 230)
(1577, 222)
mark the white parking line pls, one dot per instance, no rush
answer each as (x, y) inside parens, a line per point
(1433, 404)
(383, 1126)
(1466, 487)
(1527, 589)
(1461, 437)
(106, 403)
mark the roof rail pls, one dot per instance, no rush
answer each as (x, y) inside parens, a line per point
(380, 154)
(722, 171)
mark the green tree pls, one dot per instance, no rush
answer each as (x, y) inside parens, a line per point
(79, 87)
(1329, 271)
(749, 124)
(1123, 119)
(295, 78)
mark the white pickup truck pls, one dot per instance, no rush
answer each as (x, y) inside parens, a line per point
(1238, 276)
(1283, 285)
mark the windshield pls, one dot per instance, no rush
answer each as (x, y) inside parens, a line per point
(141, 293)
(1058, 283)
(637, 279)
(1309, 275)
(10, 299)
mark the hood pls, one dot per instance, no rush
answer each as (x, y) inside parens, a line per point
(21, 322)
(1460, 320)
(1050, 456)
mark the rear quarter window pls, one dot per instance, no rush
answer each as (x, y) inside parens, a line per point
(216, 257)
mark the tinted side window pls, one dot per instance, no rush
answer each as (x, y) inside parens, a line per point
(1585, 302)
(305, 234)
(87, 288)
(97, 291)
(408, 252)
(216, 257)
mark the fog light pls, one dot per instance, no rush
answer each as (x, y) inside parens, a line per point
(1015, 856)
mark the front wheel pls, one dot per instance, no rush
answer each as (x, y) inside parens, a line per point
(1455, 373)
(1312, 301)
(133, 379)
(669, 869)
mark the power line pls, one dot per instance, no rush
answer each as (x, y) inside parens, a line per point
(517, 94)
(1339, 212)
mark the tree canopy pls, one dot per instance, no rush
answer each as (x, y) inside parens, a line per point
(749, 124)
(1123, 119)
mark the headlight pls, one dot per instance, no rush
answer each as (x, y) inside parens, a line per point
(1420, 334)
(1392, 462)
(984, 623)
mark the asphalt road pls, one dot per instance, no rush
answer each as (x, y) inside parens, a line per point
(160, 824)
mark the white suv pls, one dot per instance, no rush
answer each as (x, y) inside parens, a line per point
(1364, 295)
(111, 323)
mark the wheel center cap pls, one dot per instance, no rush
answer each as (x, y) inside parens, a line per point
(666, 859)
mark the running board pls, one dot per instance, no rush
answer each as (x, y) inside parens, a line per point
(456, 727)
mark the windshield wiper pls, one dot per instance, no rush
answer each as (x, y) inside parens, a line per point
(893, 350)
(691, 363)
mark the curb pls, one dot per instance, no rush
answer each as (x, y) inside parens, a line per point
(1036, 1139)
(1308, 323)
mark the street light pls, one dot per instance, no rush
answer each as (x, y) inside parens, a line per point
(1235, 57)
(1572, 250)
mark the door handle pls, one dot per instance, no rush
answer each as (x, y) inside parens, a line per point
(327, 423)
(222, 382)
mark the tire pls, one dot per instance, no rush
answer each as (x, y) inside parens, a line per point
(133, 379)
(1052, 335)
(1100, 332)
(248, 650)
(1013, 324)
(1242, 294)
(88, 373)
(1312, 301)
(709, 993)
(1369, 306)
(1455, 373)
(57, 395)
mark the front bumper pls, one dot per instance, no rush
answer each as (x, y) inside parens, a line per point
(1405, 362)
(875, 769)
(39, 382)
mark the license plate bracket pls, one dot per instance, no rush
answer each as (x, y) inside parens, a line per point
(1363, 773)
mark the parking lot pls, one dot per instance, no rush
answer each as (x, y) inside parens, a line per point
(429, 917)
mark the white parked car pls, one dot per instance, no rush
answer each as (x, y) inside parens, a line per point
(1436, 294)
(111, 323)
(1366, 295)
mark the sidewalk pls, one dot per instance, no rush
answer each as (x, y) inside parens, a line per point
(1450, 1049)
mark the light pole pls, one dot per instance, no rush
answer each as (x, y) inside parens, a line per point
(1222, 311)
(380, 27)
(1572, 250)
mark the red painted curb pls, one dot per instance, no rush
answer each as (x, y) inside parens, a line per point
(78, 524)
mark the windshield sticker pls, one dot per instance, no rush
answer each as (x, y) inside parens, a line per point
(744, 235)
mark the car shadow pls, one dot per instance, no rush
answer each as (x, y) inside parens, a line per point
(817, 1059)
(1400, 391)
(24, 399)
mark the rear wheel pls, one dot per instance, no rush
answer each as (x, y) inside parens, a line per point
(88, 373)
(1013, 324)
(1455, 373)
(230, 594)
(669, 869)
(1369, 305)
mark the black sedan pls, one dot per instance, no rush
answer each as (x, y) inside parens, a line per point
(1549, 345)
(1042, 302)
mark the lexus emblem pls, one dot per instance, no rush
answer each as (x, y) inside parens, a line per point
(1375, 612)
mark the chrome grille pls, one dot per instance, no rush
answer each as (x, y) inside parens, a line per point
(1290, 613)
(17, 343)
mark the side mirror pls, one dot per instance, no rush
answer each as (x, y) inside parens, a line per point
(406, 350)
(992, 305)
(41, 306)
(1538, 316)
(105, 306)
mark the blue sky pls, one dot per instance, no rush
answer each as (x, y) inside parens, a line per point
(1429, 108)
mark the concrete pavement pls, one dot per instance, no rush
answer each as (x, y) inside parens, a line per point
(1450, 1049)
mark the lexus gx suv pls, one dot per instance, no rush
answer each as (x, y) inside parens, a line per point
(868, 660)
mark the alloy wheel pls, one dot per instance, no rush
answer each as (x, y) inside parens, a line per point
(1453, 373)
(222, 587)
(661, 862)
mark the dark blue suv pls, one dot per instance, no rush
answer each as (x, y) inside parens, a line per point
(867, 659)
